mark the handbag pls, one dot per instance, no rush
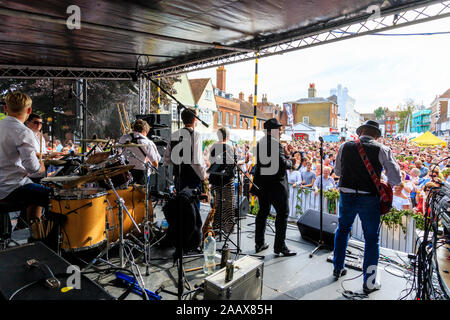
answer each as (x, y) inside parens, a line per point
(384, 189)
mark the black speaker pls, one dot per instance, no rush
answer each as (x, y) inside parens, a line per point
(160, 126)
(244, 208)
(309, 226)
(23, 279)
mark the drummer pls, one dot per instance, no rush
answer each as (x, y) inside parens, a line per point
(18, 158)
(137, 156)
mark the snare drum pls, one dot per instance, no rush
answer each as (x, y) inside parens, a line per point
(85, 210)
(134, 198)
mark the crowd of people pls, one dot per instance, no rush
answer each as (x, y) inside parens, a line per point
(420, 168)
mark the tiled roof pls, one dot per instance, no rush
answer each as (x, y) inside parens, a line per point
(247, 110)
(197, 87)
(312, 100)
(446, 94)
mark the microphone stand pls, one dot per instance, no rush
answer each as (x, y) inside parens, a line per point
(238, 247)
(320, 243)
(179, 249)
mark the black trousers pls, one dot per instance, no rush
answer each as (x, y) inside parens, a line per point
(139, 176)
(275, 194)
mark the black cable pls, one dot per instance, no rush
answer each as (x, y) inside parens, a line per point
(350, 294)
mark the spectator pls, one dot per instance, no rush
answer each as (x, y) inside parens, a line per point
(328, 182)
(423, 169)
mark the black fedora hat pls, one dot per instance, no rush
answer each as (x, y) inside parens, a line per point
(272, 124)
(369, 124)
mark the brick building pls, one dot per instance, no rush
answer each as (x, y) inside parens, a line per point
(228, 109)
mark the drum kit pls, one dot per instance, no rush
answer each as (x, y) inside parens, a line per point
(101, 205)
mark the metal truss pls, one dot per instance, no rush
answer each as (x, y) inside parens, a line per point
(422, 11)
(81, 111)
(32, 72)
(357, 24)
(144, 95)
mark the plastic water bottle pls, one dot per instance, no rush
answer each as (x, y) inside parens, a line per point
(164, 225)
(209, 251)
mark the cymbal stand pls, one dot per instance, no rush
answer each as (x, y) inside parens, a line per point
(147, 224)
(123, 245)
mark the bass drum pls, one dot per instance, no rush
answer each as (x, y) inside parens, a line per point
(85, 210)
(134, 198)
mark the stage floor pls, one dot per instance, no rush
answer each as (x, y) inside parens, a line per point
(285, 278)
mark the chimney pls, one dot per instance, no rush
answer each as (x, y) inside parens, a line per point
(221, 78)
(264, 98)
(250, 99)
(241, 96)
(312, 90)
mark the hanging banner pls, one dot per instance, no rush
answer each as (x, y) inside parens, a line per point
(290, 116)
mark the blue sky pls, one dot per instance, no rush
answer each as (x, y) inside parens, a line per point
(377, 70)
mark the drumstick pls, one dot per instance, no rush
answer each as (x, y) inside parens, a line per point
(40, 149)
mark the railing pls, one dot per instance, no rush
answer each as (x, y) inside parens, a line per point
(391, 238)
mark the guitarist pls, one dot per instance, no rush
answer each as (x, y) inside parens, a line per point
(359, 195)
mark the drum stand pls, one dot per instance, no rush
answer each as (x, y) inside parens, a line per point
(147, 224)
(125, 247)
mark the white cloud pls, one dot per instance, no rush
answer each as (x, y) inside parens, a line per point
(377, 70)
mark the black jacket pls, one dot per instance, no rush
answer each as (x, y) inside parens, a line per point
(265, 152)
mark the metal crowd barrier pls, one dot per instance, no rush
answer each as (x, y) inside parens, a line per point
(391, 238)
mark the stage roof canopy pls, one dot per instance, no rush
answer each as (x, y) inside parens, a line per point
(176, 36)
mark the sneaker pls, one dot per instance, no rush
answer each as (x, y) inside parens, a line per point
(339, 273)
(375, 287)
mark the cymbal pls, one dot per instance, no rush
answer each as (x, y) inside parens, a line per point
(68, 181)
(110, 172)
(96, 158)
(127, 145)
(55, 162)
(94, 140)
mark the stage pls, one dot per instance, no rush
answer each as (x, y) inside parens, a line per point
(285, 278)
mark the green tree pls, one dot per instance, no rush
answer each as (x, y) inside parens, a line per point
(405, 115)
(55, 99)
(380, 112)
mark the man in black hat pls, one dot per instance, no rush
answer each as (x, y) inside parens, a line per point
(359, 195)
(271, 179)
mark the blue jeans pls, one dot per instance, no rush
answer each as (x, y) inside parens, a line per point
(30, 194)
(368, 209)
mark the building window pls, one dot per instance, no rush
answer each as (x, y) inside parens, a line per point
(174, 111)
(241, 123)
(227, 119)
(234, 121)
(219, 118)
(208, 95)
(306, 120)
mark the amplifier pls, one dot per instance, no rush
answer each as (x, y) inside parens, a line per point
(161, 126)
(34, 272)
(247, 282)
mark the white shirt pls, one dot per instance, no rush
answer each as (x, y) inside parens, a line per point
(294, 177)
(18, 147)
(194, 144)
(398, 202)
(149, 148)
(44, 151)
